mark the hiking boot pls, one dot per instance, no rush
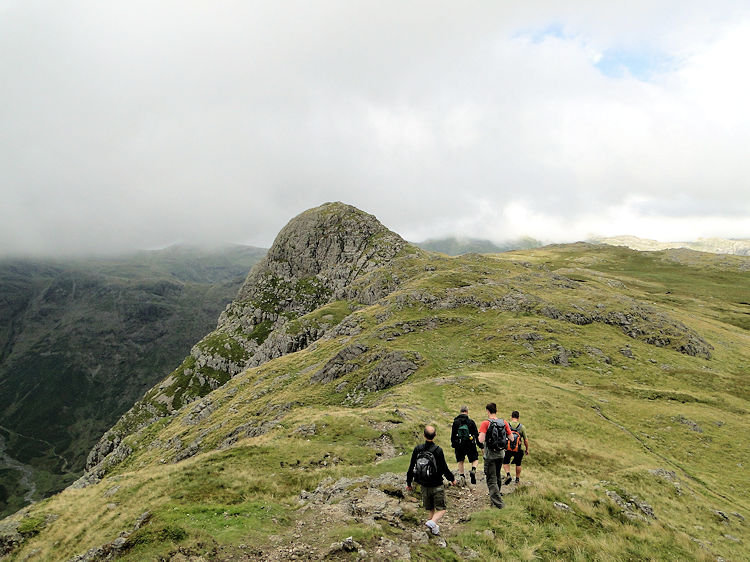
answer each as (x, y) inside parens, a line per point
(517, 481)
(433, 527)
(507, 480)
(473, 476)
(462, 480)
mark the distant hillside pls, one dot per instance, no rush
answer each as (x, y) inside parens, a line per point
(739, 247)
(287, 431)
(454, 246)
(81, 340)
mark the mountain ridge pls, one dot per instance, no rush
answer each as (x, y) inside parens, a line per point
(628, 369)
(316, 259)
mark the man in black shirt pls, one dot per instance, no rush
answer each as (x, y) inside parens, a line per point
(433, 493)
(464, 439)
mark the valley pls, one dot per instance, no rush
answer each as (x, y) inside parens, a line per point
(81, 340)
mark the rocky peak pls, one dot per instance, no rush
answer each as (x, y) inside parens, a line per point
(333, 243)
(314, 262)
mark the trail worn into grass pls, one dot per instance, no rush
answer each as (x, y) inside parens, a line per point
(671, 462)
(393, 516)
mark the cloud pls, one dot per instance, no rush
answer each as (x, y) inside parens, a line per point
(143, 124)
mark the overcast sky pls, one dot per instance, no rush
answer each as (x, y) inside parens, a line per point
(141, 124)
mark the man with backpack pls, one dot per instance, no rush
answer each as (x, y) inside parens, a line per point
(428, 467)
(514, 454)
(493, 437)
(464, 437)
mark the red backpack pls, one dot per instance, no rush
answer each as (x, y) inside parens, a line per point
(514, 439)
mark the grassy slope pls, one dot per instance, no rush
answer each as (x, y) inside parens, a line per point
(81, 340)
(594, 426)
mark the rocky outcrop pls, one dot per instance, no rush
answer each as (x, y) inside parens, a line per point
(267, 419)
(387, 368)
(10, 538)
(598, 354)
(392, 368)
(635, 319)
(320, 252)
(340, 364)
(633, 508)
(96, 471)
(14, 532)
(327, 254)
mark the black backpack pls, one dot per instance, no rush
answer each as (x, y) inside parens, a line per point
(496, 437)
(425, 467)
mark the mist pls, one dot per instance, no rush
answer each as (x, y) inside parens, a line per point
(140, 125)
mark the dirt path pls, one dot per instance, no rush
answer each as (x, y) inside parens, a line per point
(382, 503)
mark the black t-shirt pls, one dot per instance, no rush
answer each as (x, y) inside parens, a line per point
(460, 420)
(442, 466)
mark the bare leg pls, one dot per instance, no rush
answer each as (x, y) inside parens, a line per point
(460, 467)
(436, 515)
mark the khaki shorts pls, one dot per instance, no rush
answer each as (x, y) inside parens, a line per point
(433, 498)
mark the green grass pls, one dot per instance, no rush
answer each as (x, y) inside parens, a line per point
(31, 526)
(594, 425)
(330, 314)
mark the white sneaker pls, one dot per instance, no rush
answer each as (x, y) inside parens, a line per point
(433, 527)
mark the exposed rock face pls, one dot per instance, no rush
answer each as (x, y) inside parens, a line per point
(635, 319)
(10, 538)
(327, 254)
(392, 369)
(634, 508)
(334, 243)
(340, 364)
(389, 368)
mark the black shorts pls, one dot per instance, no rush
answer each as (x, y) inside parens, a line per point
(513, 457)
(464, 451)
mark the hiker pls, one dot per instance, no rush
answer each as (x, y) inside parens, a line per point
(428, 467)
(513, 453)
(464, 437)
(493, 436)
